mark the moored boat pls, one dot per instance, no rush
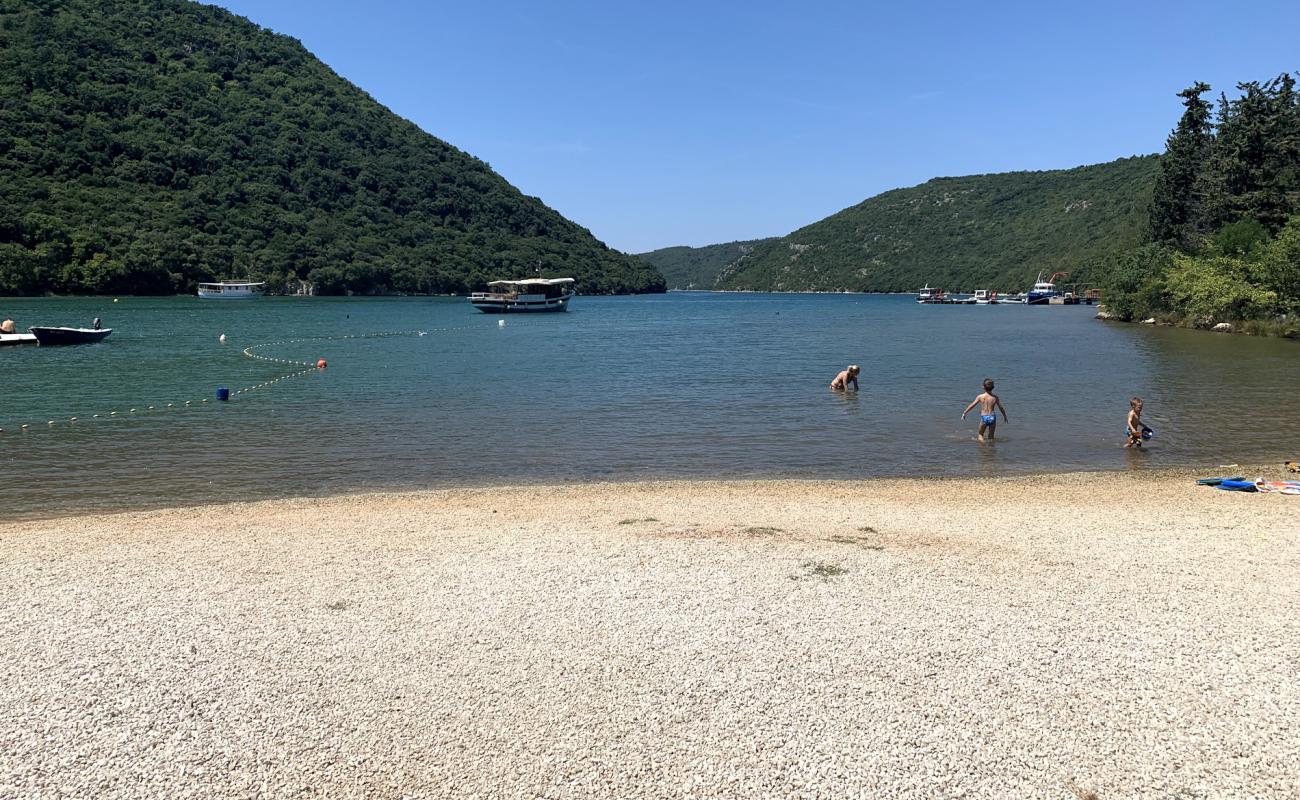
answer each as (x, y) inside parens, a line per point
(984, 297)
(231, 290)
(47, 335)
(528, 295)
(1044, 290)
(929, 294)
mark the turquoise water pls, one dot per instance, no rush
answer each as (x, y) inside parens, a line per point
(684, 385)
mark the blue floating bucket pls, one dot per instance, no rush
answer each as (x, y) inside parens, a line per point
(223, 393)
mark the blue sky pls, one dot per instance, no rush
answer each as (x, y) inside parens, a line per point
(656, 124)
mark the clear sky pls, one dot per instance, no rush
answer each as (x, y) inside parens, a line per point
(668, 122)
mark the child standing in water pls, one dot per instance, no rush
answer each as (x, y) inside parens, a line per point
(1133, 425)
(989, 404)
(842, 380)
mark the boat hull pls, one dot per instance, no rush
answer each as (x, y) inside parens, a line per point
(50, 336)
(207, 295)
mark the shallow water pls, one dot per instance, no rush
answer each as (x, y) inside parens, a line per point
(686, 385)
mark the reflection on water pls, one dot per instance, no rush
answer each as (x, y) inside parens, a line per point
(683, 385)
(1135, 457)
(849, 401)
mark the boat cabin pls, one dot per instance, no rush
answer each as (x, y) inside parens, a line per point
(548, 288)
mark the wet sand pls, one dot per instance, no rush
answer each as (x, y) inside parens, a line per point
(1123, 634)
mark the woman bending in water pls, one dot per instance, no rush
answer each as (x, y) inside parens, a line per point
(842, 380)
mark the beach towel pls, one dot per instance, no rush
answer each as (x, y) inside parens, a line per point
(1279, 487)
(1238, 486)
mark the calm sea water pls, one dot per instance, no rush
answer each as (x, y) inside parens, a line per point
(683, 385)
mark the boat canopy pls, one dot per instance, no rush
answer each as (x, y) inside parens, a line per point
(233, 283)
(533, 282)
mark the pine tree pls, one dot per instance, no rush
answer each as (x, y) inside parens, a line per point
(1254, 165)
(1282, 156)
(1176, 201)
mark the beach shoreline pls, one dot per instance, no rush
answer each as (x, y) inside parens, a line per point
(1126, 633)
(1271, 468)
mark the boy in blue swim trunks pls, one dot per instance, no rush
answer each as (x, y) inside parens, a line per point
(1133, 424)
(989, 404)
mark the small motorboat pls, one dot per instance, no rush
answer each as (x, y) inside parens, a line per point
(44, 335)
(929, 294)
(17, 338)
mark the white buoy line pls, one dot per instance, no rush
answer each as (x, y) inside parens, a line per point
(249, 352)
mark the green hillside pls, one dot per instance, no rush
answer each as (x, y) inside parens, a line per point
(981, 231)
(698, 267)
(149, 144)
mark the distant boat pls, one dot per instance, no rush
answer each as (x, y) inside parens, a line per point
(528, 295)
(231, 290)
(1045, 290)
(929, 294)
(984, 297)
(48, 336)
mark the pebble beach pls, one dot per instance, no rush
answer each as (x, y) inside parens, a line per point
(1109, 635)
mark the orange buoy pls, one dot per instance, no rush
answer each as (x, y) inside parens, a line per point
(321, 364)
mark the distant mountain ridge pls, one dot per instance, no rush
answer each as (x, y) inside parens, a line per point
(146, 145)
(980, 231)
(698, 267)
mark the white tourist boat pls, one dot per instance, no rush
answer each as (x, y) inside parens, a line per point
(231, 290)
(984, 297)
(528, 295)
(929, 294)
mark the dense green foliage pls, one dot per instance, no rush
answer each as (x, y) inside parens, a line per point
(149, 144)
(982, 231)
(1225, 216)
(698, 267)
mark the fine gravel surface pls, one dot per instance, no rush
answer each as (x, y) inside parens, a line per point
(1124, 635)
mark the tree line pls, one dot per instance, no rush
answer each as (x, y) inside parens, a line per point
(1224, 243)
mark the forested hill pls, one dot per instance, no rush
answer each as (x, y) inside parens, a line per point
(149, 144)
(698, 267)
(981, 231)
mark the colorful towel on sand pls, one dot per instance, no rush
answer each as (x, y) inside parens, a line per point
(1238, 486)
(1260, 485)
(1280, 487)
